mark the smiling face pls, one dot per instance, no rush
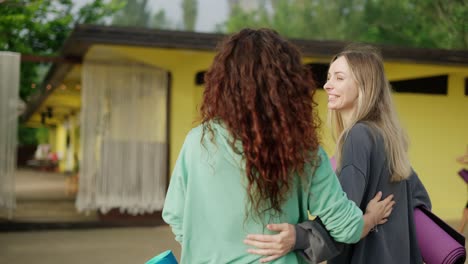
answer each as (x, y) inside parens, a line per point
(341, 87)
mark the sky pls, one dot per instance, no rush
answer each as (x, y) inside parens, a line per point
(210, 12)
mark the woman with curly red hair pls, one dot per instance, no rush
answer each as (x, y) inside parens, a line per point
(255, 159)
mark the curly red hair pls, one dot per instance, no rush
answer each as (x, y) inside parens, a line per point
(258, 87)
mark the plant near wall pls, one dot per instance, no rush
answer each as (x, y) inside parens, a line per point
(27, 135)
(42, 135)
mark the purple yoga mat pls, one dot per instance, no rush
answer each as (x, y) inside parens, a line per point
(436, 245)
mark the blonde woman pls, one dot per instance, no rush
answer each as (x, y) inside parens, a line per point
(371, 156)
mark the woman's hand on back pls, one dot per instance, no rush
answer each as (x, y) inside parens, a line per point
(272, 246)
(377, 212)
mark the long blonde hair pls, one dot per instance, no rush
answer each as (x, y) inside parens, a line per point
(374, 107)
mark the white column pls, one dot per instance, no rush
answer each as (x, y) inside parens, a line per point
(9, 100)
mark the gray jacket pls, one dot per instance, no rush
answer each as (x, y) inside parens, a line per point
(364, 172)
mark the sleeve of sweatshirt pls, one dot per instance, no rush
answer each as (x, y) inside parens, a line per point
(173, 210)
(327, 200)
(356, 156)
(314, 243)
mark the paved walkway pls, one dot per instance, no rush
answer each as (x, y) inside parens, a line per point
(44, 198)
(109, 246)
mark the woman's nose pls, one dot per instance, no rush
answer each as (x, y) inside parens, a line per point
(327, 86)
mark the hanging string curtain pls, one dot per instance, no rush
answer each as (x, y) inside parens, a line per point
(9, 102)
(123, 138)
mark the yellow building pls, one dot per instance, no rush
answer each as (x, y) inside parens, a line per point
(431, 95)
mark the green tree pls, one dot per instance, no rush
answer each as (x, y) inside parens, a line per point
(190, 9)
(39, 27)
(138, 14)
(394, 22)
(27, 135)
(135, 13)
(418, 23)
(445, 21)
(240, 18)
(160, 20)
(299, 18)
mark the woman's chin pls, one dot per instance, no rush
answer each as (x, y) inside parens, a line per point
(332, 107)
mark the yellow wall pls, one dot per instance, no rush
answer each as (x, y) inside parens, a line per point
(437, 124)
(438, 131)
(63, 102)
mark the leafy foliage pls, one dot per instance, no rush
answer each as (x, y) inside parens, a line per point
(40, 27)
(417, 23)
(189, 8)
(27, 135)
(161, 21)
(135, 13)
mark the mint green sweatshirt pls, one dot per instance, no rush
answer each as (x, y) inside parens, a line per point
(206, 202)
